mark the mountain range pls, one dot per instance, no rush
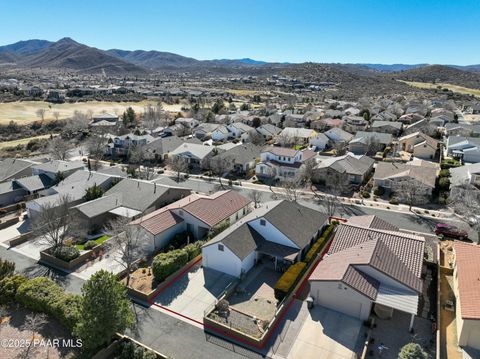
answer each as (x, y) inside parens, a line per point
(67, 54)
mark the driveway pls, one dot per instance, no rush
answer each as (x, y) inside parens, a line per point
(194, 292)
(327, 334)
(13, 231)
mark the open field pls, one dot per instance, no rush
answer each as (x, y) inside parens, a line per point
(24, 112)
(22, 141)
(454, 88)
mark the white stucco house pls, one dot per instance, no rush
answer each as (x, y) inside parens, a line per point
(279, 232)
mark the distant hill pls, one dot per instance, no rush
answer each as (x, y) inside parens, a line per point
(25, 47)
(71, 55)
(154, 60)
(393, 67)
(439, 74)
(8, 58)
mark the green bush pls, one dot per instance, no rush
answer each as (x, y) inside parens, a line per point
(43, 295)
(444, 183)
(130, 350)
(193, 249)
(165, 264)
(319, 244)
(9, 286)
(89, 245)
(444, 173)
(7, 268)
(379, 191)
(449, 163)
(365, 194)
(288, 280)
(393, 200)
(66, 253)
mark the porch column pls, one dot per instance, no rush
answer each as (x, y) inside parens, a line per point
(411, 322)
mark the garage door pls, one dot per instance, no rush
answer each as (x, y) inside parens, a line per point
(340, 303)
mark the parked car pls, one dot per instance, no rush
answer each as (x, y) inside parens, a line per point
(446, 230)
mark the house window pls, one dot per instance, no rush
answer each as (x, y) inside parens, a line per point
(263, 222)
(220, 247)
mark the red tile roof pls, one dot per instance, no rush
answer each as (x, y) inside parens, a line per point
(468, 273)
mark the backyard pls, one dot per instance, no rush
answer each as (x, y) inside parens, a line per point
(98, 241)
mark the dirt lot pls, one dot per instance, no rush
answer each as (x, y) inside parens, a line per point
(25, 112)
(453, 88)
(12, 329)
(22, 141)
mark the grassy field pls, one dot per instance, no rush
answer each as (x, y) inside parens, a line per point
(453, 88)
(25, 112)
(22, 141)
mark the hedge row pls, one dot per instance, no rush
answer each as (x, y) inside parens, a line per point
(319, 244)
(44, 295)
(165, 264)
(288, 280)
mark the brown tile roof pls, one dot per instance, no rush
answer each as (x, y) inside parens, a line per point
(407, 247)
(214, 209)
(468, 268)
(372, 221)
(161, 222)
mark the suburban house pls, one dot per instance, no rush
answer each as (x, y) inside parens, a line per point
(419, 144)
(204, 130)
(319, 142)
(129, 198)
(282, 164)
(463, 175)
(196, 213)
(370, 266)
(384, 116)
(52, 168)
(176, 130)
(120, 146)
(220, 133)
(240, 159)
(268, 131)
(23, 188)
(462, 129)
(278, 231)
(338, 137)
(369, 142)
(72, 188)
(467, 292)
(392, 176)
(391, 127)
(326, 123)
(187, 122)
(239, 129)
(343, 170)
(296, 136)
(104, 120)
(160, 148)
(355, 123)
(466, 149)
(410, 118)
(12, 168)
(196, 155)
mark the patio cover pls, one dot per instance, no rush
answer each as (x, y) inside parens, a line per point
(397, 299)
(125, 212)
(278, 250)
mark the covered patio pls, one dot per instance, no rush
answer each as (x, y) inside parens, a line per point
(280, 256)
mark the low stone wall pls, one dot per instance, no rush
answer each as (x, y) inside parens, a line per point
(49, 259)
(145, 297)
(8, 222)
(22, 238)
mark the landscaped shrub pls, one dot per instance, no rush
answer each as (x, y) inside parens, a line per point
(319, 244)
(444, 183)
(379, 191)
(130, 350)
(193, 249)
(444, 173)
(180, 239)
(66, 253)
(393, 200)
(165, 264)
(288, 280)
(365, 194)
(449, 163)
(6, 268)
(43, 295)
(9, 286)
(89, 245)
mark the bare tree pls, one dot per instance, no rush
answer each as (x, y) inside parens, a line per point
(465, 201)
(136, 154)
(291, 190)
(96, 145)
(256, 198)
(59, 148)
(220, 165)
(284, 139)
(41, 113)
(256, 138)
(307, 172)
(411, 192)
(373, 146)
(34, 322)
(128, 242)
(178, 164)
(53, 223)
(75, 125)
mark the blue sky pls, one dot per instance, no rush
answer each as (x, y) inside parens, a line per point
(346, 31)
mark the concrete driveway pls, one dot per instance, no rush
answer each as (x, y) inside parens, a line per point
(13, 231)
(327, 334)
(192, 293)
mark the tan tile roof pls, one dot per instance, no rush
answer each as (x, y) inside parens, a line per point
(468, 269)
(372, 221)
